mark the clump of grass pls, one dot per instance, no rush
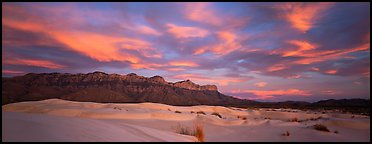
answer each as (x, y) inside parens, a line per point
(177, 112)
(313, 119)
(336, 132)
(183, 130)
(321, 127)
(192, 112)
(286, 134)
(294, 120)
(169, 110)
(198, 131)
(216, 114)
(242, 117)
(267, 118)
(201, 112)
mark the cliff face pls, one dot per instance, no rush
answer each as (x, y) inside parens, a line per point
(192, 86)
(102, 87)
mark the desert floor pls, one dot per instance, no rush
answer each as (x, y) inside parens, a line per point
(60, 120)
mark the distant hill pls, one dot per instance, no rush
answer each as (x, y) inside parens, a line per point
(113, 88)
(132, 88)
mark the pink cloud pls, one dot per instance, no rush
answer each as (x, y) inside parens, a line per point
(303, 16)
(260, 84)
(276, 67)
(183, 63)
(331, 71)
(267, 94)
(33, 62)
(229, 43)
(148, 31)
(13, 72)
(186, 32)
(302, 48)
(202, 12)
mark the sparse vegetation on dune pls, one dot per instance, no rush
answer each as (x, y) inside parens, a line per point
(181, 129)
(216, 114)
(198, 131)
(268, 118)
(294, 120)
(201, 112)
(177, 112)
(321, 127)
(242, 117)
(286, 134)
(192, 112)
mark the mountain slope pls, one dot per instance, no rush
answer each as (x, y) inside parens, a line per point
(114, 88)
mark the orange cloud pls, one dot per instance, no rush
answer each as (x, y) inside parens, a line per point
(150, 66)
(183, 63)
(103, 48)
(227, 36)
(148, 31)
(33, 62)
(265, 94)
(186, 32)
(13, 72)
(227, 45)
(276, 67)
(313, 57)
(331, 71)
(202, 12)
(303, 16)
(260, 84)
(303, 46)
(295, 76)
(315, 68)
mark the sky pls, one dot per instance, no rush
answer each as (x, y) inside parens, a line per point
(257, 51)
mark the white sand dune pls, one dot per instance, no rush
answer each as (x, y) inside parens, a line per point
(60, 120)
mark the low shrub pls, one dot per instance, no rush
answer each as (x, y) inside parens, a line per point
(216, 114)
(321, 127)
(201, 112)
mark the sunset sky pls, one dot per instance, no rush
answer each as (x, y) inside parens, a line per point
(258, 51)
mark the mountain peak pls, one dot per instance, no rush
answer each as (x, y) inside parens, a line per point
(187, 84)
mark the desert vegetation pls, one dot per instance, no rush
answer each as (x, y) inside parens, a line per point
(294, 120)
(216, 114)
(201, 112)
(242, 117)
(321, 127)
(197, 131)
(286, 134)
(177, 112)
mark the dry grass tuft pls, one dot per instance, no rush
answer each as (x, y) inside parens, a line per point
(294, 120)
(321, 127)
(286, 134)
(201, 112)
(192, 112)
(242, 117)
(177, 112)
(216, 114)
(198, 131)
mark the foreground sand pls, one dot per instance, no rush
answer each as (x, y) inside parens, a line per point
(60, 120)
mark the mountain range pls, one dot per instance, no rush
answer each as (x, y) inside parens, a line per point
(132, 88)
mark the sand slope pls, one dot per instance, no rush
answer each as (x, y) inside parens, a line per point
(60, 120)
